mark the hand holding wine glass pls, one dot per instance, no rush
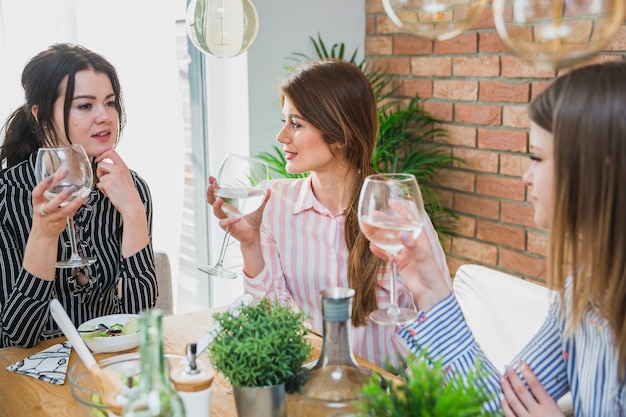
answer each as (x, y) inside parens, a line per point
(241, 184)
(73, 176)
(388, 205)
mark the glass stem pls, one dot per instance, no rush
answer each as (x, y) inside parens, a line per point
(220, 261)
(72, 236)
(393, 305)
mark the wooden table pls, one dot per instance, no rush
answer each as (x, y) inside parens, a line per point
(23, 396)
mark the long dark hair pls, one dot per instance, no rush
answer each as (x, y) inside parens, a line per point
(337, 98)
(585, 112)
(43, 78)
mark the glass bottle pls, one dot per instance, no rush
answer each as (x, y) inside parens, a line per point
(334, 383)
(154, 395)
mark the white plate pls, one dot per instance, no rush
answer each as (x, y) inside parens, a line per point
(112, 343)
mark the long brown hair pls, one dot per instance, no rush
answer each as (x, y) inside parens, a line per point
(337, 98)
(42, 79)
(586, 112)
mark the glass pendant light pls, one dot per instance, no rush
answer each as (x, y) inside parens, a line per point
(434, 19)
(555, 34)
(222, 28)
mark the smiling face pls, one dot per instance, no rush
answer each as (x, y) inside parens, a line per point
(540, 175)
(304, 147)
(93, 118)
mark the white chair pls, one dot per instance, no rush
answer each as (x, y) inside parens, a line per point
(164, 281)
(503, 312)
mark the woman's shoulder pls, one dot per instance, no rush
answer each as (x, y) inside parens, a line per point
(18, 176)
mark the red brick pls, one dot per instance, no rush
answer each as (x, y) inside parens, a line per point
(619, 41)
(514, 67)
(379, 45)
(515, 116)
(455, 179)
(431, 66)
(398, 66)
(385, 26)
(503, 91)
(518, 213)
(412, 45)
(370, 25)
(532, 266)
(456, 90)
(477, 114)
(503, 140)
(501, 234)
(465, 43)
(477, 160)
(441, 111)
(490, 42)
(477, 251)
(538, 243)
(502, 187)
(465, 226)
(514, 165)
(374, 6)
(460, 135)
(479, 206)
(483, 66)
(485, 20)
(413, 87)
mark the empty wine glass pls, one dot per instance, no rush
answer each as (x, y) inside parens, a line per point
(72, 161)
(241, 183)
(388, 205)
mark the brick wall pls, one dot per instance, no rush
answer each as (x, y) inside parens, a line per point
(480, 90)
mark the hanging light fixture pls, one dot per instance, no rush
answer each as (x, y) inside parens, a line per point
(434, 19)
(223, 28)
(556, 34)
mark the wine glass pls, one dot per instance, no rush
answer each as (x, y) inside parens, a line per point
(72, 161)
(241, 183)
(390, 204)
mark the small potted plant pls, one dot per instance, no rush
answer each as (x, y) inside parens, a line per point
(424, 391)
(258, 348)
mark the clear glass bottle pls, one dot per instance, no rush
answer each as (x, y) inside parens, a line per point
(154, 395)
(332, 385)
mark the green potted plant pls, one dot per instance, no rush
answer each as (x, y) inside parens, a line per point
(258, 348)
(408, 141)
(424, 391)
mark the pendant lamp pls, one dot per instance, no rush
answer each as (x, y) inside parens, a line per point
(555, 34)
(222, 28)
(434, 19)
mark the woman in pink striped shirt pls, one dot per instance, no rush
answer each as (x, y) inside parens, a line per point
(306, 237)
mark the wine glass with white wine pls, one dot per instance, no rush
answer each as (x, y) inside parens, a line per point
(241, 183)
(388, 205)
(73, 163)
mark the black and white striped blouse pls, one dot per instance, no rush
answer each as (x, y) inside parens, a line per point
(24, 298)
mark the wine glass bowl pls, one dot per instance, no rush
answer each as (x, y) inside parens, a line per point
(241, 183)
(71, 169)
(390, 204)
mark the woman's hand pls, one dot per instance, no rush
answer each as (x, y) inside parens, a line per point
(245, 229)
(521, 401)
(418, 269)
(49, 221)
(116, 182)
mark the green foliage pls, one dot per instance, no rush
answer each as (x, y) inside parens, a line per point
(425, 392)
(261, 345)
(409, 138)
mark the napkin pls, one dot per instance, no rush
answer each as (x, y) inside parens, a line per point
(49, 365)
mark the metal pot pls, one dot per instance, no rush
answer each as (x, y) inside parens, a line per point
(260, 401)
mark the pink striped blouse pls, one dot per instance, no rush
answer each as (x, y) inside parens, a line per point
(305, 251)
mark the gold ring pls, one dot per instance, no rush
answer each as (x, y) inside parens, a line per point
(43, 210)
